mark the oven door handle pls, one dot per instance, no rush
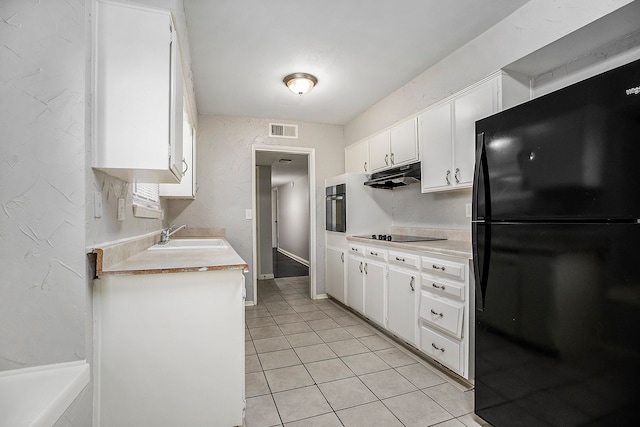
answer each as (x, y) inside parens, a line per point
(335, 198)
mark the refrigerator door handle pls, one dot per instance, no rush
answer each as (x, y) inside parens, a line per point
(480, 182)
(481, 247)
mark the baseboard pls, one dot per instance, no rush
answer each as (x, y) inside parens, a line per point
(294, 257)
(265, 276)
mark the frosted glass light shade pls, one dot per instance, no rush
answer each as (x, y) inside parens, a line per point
(300, 83)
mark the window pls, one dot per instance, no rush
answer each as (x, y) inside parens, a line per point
(146, 200)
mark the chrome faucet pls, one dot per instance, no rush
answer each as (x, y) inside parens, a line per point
(166, 233)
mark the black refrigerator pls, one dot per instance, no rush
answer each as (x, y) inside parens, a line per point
(556, 253)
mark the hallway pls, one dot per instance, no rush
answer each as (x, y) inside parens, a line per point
(312, 363)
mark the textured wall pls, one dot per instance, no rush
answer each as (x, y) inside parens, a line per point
(42, 127)
(293, 217)
(224, 178)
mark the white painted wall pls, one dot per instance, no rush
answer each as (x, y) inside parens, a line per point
(530, 28)
(43, 286)
(224, 176)
(293, 217)
(42, 291)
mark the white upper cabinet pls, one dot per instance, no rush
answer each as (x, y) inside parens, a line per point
(446, 132)
(379, 151)
(404, 143)
(356, 157)
(186, 189)
(394, 147)
(435, 144)
(137, 94)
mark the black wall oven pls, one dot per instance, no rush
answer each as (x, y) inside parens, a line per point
(336, 208)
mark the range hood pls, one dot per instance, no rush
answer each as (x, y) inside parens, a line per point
(396, 177)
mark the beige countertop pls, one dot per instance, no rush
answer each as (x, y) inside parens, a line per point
(133, 257)
(457, 248)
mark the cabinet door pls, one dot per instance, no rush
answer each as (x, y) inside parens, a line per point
(187, 187)
(434, 131)
(478, 103)
(401, 311)
(135, 68)
(379, 155)
(404, 143)
(356, 158)
(374, 278)
(335, 273)
(355, 285)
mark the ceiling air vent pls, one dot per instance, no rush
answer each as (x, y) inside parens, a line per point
(280, 130)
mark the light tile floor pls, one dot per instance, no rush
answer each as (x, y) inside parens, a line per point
(312, 363)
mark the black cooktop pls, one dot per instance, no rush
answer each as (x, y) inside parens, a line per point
(399, 238)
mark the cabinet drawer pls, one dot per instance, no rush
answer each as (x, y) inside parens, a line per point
(451, 269)
(405, 259)
(376, 253)
(356, 249)
(444, 350)
(443, 287)
(441, 313)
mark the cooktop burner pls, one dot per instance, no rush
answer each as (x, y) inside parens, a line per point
(399, 238)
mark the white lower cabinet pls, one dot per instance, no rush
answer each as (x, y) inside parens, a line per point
(335, 272)
(451, 353)
(375, 273)
(157, 337)
(403, 287)
(445, 313)
(355, 279)
(423, 299)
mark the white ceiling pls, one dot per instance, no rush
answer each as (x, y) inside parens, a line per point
(360, 51)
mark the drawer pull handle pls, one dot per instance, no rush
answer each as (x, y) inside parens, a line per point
(400, 259)
(354, 249)
(360, 267)
(437, 267)
(437, 348)
(435, 313)
(365, 268)
(373, 253)
(438, 287)
(413, 279)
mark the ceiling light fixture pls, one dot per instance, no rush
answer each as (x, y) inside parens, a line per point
(300, 83)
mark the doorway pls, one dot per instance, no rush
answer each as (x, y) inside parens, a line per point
(284, 205)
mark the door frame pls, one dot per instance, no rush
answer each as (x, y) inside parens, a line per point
(311, 171)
